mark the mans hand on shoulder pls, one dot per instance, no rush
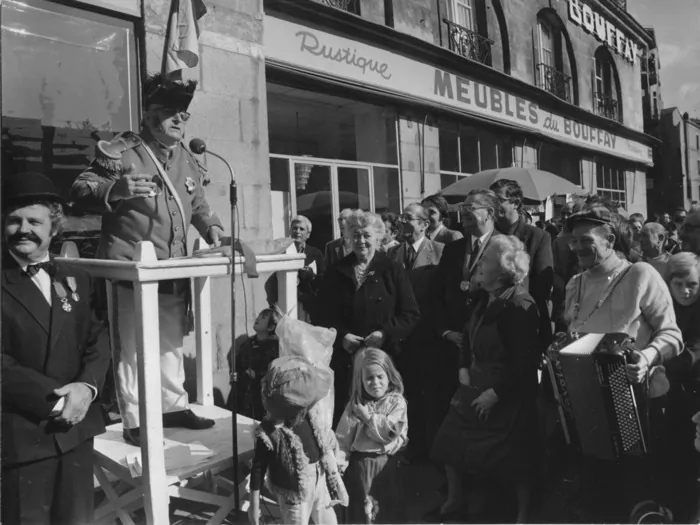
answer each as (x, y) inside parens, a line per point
(78, 398)
(132, 184)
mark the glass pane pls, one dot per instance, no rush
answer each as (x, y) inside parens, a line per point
(68, 79)
(353, 188)
(469, 149)
(281, 197)
(505, 153)
(449, 146)
(489, 150)
(447, 179)
(313, 194)
(387, 191)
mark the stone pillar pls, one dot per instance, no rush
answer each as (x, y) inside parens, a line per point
(229, 113)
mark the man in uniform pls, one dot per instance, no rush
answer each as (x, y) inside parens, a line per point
(55, 354)
(149, 187)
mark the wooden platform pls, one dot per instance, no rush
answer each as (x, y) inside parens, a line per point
(193, 478)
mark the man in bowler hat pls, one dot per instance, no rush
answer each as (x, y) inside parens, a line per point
(55, 354)
(149, 187)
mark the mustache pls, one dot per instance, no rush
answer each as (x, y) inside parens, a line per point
(19, 237)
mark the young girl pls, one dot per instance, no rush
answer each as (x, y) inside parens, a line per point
(372, 430)
(252, 359)
(294, 447)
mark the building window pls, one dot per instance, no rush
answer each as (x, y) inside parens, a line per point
(351, 6)
(465, 150)
(549, 60)
(610, 183)
(606, 89)
(462, 34)
(697, 142)
(69, 78)
(698, 172)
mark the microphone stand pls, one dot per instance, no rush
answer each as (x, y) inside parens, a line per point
(233, 201)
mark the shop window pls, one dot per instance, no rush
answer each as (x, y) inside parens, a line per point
(610, 183)
(606, 88)
(549, 60)
(69, 78)
(447, 179)
(466, 150)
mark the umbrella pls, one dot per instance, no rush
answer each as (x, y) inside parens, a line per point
(536, 184)
(321, 200)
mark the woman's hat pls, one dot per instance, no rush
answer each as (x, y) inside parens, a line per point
(20, 189)
(292, 384)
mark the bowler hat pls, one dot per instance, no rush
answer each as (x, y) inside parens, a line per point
(292, 384)
(596, 213)
(24, 188)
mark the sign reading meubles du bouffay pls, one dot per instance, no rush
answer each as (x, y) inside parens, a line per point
(340, 58)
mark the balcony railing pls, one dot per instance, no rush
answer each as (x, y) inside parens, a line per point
(606, 106)
(467, 43)
(552, 80)
(351, 6)
(622, 4)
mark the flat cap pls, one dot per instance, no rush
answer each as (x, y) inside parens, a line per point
(596, 213)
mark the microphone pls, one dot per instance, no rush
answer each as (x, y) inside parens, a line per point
(198, 146)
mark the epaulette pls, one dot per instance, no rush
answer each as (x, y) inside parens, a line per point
(108, 154)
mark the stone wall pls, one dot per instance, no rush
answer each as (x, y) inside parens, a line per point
(230, 115)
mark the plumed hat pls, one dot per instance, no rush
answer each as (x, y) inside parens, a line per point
(158, 89)
(19, 189)
(292, 384)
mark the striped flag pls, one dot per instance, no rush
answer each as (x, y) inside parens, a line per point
(182, 37)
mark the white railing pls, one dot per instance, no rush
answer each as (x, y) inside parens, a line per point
(145, 272)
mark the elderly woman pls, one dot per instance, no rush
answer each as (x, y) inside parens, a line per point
(683, 278)
(308, 278)
(368, 299)
(490, 432)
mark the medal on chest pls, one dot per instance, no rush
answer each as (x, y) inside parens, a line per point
(62, 295)
(73, 286)
(190, 184)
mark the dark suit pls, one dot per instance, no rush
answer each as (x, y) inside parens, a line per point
(308, 286)
(418, 359)
(450, 312)
(541, 277)
(384, 302)
(47, 469)
(333, 251)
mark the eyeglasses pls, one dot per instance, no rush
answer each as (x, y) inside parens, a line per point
(184, 116)
(409, 218)
(466, 208)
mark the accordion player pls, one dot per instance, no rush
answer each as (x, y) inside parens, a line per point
(599, 408)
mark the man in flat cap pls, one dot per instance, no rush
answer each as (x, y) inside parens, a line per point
(55, 354)
(149, 187)
(614, 296)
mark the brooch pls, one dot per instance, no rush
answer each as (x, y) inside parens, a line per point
(464, 286)
(190, 184)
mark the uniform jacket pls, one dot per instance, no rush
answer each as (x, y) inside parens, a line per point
(385, 301)
(43, 348)
(333, 251)
(445, 235)
(156, 219)
(450, 310)
(541, 277)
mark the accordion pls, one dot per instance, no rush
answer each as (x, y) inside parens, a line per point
(597, 404)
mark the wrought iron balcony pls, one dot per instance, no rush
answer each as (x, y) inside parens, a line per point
(351, 6)
(467, 43)
(552, 80)
(606, 106)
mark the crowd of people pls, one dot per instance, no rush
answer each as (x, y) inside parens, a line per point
(440, 341)
(456, 325)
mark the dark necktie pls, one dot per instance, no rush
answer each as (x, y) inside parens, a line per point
(475, 248)
(410, 256)
(33, 269)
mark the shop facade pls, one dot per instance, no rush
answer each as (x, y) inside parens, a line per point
(472, 85)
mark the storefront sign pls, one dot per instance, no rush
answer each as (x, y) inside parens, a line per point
(356, 63)
(603, 29)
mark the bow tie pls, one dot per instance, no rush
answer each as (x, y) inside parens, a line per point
(48, 267)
